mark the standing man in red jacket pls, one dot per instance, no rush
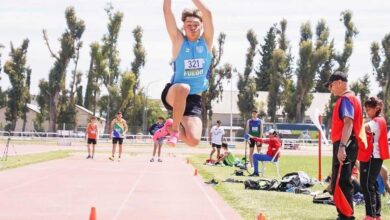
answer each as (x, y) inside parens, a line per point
(347, 135)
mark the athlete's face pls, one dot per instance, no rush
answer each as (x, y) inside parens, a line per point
(254, 114)
(371, 112)
(192, 28)
(119, 115)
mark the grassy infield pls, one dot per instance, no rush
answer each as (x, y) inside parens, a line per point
(274, 205)
(277, 205)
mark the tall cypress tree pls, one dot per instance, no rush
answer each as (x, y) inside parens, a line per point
(111, 53)
(382, 69)
(97, 71)
(310, 59)
(2, 94)
(218, 74)
(70, 37)
(139, 56)
(247, 84)
(263, 70)
(19, 76)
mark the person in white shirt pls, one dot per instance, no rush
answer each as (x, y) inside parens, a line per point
(216, 136)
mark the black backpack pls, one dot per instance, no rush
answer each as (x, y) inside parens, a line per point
(251, 184)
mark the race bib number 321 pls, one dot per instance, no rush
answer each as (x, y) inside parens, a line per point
(193, 67)
(193, 64)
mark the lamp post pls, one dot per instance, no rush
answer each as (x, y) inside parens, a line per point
(145, 117)
(231, 105)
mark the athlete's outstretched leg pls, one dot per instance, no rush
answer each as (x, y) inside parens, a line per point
(192, 130)
(176, 97)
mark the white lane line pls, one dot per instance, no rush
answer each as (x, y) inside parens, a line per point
(218, 210)
(118, 212)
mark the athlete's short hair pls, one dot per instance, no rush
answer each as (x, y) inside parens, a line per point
(191, 13)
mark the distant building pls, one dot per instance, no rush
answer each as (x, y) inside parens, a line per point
(82, 117)
(31, 117)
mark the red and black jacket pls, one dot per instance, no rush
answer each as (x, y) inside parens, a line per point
(358, 128)
(364, 155)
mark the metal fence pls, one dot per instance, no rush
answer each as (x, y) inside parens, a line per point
(66, 137)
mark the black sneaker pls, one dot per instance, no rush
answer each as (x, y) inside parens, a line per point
(213, 182)
(254, 174)
(88, 157)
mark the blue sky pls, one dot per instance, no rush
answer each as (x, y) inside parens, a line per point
(26, 19)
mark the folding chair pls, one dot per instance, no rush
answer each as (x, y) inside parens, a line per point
(275, 161)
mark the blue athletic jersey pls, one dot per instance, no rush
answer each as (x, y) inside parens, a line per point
(255, 127)
(192, 65)
(155, 127)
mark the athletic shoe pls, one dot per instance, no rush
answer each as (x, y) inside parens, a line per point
(119, 159)
(88, 157)
(173, 138)
(368, 218)
(112, 158)
(159, 160)
(162, 132)
(152, 160)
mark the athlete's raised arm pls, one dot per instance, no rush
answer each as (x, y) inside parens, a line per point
(208, 27)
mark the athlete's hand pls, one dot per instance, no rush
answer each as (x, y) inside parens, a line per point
(246, 136)
(341, 155)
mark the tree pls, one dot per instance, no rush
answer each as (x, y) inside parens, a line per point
(247, 84)
(97, 71)
(382, 69)
(215, 81)
(322, 34)
(310, 59)
(69, 42)
(140, 54)
(3, 97)
(19, 76)
(362, 88)
(350, 33)
(280, 71)
(111, 53)
(42, 98)
(343, 57)
(278, 67)
(263, 73)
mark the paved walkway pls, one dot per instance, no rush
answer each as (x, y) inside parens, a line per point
(131, 189)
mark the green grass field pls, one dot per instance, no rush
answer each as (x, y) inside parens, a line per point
(277, 205)
(26, 159)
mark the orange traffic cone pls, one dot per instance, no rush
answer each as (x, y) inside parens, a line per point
(196, 172)
(261, 216)
(92, 215)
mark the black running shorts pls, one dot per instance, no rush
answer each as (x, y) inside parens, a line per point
(193, 103)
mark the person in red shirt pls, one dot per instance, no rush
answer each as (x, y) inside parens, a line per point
(347, 136)
(91, 135)
(274, 144)
(371, 159)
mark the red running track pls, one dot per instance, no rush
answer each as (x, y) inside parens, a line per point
(131, 189)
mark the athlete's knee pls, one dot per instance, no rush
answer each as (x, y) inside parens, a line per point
(192, 142)
(182, 89)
